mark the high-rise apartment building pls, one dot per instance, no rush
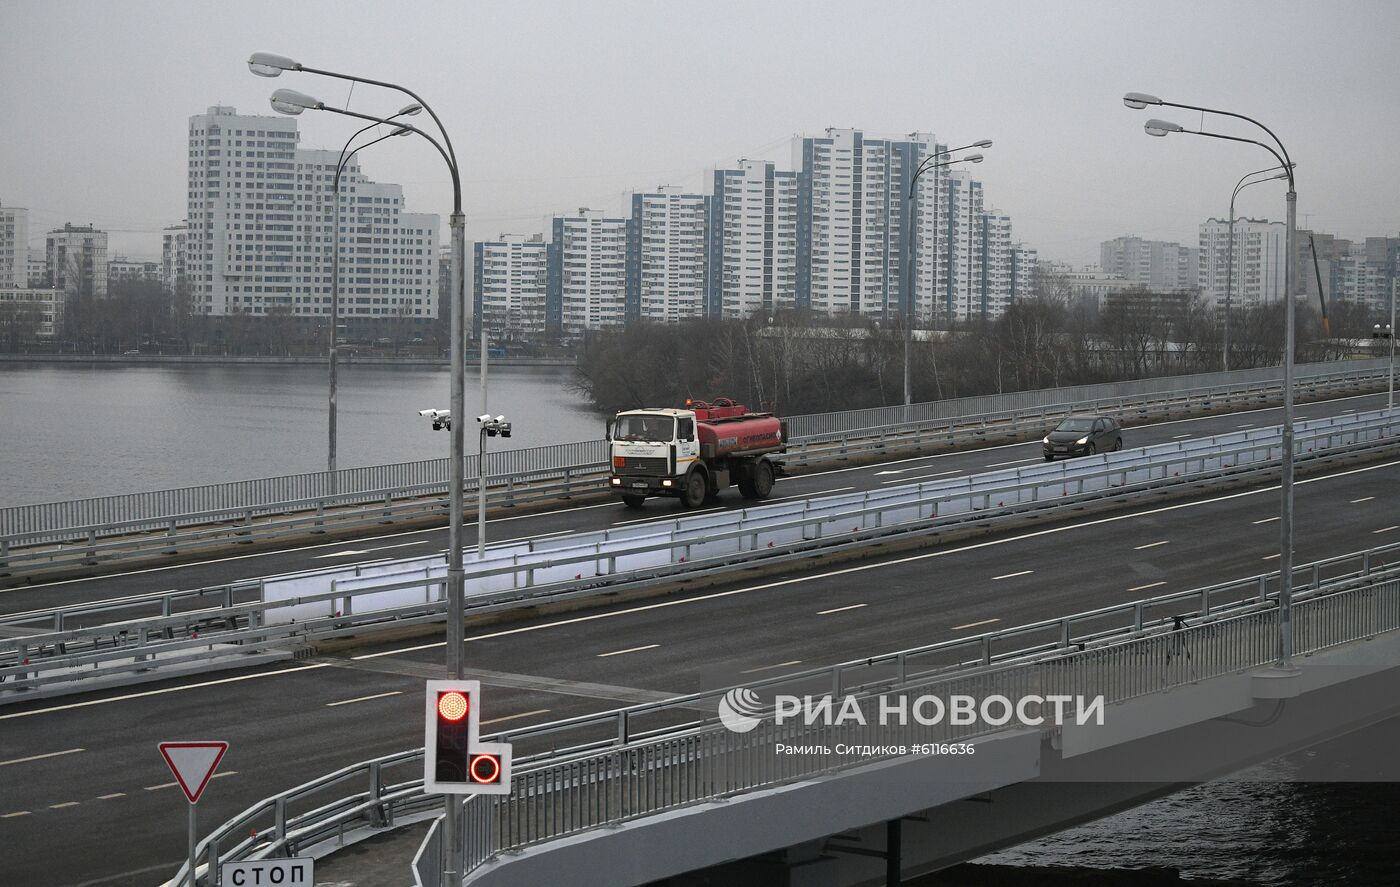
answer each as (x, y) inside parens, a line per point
(1258, 257)
(1024, 261)
(75, 257)
(260, 238)
(14, 247)
(1154, 264)
(960, 265)
(587, 272)
(174, 255)
(510, 284)
(753, 241)
(667, 258)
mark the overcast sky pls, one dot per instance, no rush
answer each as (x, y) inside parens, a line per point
(558, 105)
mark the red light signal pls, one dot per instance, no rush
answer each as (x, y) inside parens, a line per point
(454, 760)
(453, 705)
(485, 769)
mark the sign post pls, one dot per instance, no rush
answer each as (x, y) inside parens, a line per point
(193, 764)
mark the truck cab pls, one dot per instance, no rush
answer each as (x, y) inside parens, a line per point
(652, 451)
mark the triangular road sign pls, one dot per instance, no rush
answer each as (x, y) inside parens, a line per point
(193, 763)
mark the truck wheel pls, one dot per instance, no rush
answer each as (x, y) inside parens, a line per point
(693, 494)
(633, 501)
(760, 485)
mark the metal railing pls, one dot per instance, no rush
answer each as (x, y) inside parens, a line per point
(315, 604)
(86, 520)
(603, 767)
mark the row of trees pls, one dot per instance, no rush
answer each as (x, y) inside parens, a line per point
(801, 364)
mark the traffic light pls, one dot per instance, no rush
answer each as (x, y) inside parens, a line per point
(488, 769)
(450, 732)
(454, 760)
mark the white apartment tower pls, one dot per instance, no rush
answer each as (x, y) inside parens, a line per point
(1154, 264)
(667, 239)
(14, 247)
(75, 257)
(992, 292)
(753, 241)
(1258, 259)
(260, 228)
(587, 272)
(960, 264)
(510, 283)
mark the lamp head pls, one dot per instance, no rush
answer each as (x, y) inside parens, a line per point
(1140, 100)
(267, 64)
(985, 143)
(973, 158)
(289, 101)
(1160, 128)
(409, 110)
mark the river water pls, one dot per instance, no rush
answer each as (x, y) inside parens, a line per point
(72, 431)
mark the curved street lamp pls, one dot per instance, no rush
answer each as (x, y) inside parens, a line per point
(1230, 254)
(1140, 100)
(926, 165)
(288, 101)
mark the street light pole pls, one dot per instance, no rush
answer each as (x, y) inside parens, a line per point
(291, 102)
(1230, 257)
(1139, 101)
(912, 236)
(334, 349)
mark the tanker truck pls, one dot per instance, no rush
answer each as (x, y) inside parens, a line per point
(692, 454)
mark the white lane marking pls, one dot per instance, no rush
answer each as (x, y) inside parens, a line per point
(1267, 520)
(918, 477)
(840, 609)
(661, 517)
(1387, 529)
(52, 754)
(1013, 575)
(64, 804)
(523, 714)
(1246, 425)
(16, 813)
(1270, 557)
(1362, 499)
(974, 624)
(628, 650)
(364, 698)
(809, 495)
(1180, 436)
(156, 788)
(490, 545)
(862, 568)
(111, 796)
(787, 664)
(354, 551)
(1151, 545)
(1147, 586)
(1012, 462)
(143, 694)
(225, 773)
(717, 595)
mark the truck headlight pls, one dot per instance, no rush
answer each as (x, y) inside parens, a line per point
(666, 482)
(617, 481)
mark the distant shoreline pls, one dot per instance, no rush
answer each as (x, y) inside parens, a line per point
(215, 359)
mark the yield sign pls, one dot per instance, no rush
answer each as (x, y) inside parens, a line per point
(193, 763)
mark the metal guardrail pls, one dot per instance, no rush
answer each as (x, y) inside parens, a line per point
(579, 751)
(84, 521)
(529, 573)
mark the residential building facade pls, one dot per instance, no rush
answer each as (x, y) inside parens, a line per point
(75, 258)
(261, 226)
(124, 269)
(174, 255)
(1258, 259)
(31, 311)
(1154, 264)
(753, 241)
(14, 247)
(510, 284)
(667, 255)
(587, 272)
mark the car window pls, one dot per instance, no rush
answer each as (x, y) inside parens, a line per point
(1101, 425)
(686, 431)
(1075, 423)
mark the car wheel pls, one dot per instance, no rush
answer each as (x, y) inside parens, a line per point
(1118, 446)
(633, 501)
(1049, 458)
(1093, 450)
(693, 496)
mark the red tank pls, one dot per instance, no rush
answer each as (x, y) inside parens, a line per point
(725, 428)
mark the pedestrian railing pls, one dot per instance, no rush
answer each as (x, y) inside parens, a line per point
(335, 601)
(62, 535)
(602, 769)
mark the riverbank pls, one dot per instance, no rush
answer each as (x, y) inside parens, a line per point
(229, 359)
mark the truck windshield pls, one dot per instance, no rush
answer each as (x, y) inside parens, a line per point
(652, 428)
